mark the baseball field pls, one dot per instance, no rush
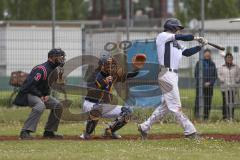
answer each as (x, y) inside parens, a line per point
(220, 140)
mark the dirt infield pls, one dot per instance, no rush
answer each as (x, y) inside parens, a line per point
(226, 137)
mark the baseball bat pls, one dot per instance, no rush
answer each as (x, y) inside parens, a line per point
(216, 46)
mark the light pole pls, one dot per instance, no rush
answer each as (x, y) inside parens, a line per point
(200, 84)
(127, 17)
(53, 22)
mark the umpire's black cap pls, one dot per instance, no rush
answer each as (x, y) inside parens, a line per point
(56, 52)
(172, 24)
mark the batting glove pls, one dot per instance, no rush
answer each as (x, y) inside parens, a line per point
(201, 40)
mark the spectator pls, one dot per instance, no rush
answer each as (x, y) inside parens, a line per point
(209, 78)
(229, 76)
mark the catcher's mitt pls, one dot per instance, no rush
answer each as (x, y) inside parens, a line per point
(139, 60)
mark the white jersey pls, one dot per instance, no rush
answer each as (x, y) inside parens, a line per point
(169, 50)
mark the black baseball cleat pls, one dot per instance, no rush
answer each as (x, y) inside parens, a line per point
(142, 133)
(25, 135)
(52, 135)
(108, 133)
(192, 136)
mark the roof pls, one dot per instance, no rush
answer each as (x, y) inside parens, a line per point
(75, 23)
(222, 24)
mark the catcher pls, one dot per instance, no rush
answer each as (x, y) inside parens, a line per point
(100, 94)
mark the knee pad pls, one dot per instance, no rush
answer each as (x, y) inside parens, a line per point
(122, 119)
(125, 114)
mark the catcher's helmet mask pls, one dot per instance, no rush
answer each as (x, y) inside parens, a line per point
(108, 63)
(172, 25)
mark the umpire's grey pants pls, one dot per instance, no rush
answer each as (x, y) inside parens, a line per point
(38, 106)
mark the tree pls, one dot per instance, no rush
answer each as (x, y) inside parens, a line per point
(214, 9)
(22, 9)
(2, 9)
(182, 17)
(79, 9)
(42, 9)
(63, 10)
(223, 9)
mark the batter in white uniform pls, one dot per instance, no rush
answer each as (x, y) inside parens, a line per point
(169, 56)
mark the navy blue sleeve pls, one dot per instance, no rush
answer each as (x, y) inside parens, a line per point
(191, 51)
(33, 80)
(101, 82)
(214, 77)
(187, 37)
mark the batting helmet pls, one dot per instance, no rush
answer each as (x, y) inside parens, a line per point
(56, 52)
(172, 25)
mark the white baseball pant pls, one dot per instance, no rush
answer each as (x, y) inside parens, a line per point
(113, 113)
(168, 82)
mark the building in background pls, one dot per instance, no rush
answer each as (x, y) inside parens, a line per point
(24, 44)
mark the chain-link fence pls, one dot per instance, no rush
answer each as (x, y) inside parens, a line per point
(24, 46)
(215, 101)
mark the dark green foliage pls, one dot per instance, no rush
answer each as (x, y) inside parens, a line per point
(214, 9)
(41, 9)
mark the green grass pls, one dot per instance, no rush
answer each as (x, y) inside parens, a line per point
(13, 129)
(120, 150)
(11, 121)
(187, 98)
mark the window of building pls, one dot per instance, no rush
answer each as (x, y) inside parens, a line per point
(235, 49)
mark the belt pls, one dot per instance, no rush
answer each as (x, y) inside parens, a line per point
(169, 69)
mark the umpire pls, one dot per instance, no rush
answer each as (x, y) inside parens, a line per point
(35, 93)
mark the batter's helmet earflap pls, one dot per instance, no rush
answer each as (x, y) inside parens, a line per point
(172, 25)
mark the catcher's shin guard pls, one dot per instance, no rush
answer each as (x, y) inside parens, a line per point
(90, 127)
(121, 120)
(117, 124)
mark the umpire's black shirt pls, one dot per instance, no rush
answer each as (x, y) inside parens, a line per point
(37, 81)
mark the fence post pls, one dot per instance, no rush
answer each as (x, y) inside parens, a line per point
(53, 22)
(200, 84)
